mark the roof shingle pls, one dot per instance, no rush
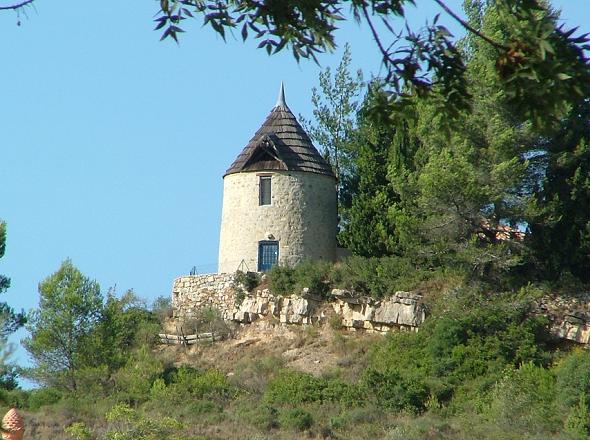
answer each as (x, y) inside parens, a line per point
(280, 144)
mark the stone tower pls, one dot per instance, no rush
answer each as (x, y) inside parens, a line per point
(279, 199)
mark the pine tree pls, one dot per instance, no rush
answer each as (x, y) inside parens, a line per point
(335, 105)
(560, 222)
(366, 228)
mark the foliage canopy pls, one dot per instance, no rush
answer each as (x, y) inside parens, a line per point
(531, 54)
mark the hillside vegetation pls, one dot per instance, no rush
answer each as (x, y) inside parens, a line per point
(482, 366)
(483, 210)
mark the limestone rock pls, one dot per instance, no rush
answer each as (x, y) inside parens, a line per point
(402, 308)
(252, 308)
(341, 293)
(578, 332)
(190, 294)
(569, 315)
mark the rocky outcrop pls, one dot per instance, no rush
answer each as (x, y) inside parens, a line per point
(569, 316)
(573, 329)
(402, 310)
(294, 309)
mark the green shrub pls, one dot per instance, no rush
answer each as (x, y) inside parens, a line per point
(79, 431)
(338, 391)
(292, 387)
(162, 307)
(573, 378)
(197, 384)
(16, 398)
(91, 381)
(160, 390)
(126, 423)
(358, 274)
(264, 416)
(524, 401)
(381, 277)
(403, 351)
(400, 392)
(578, 420)
(313, 275)
(461, 351)
(281, 280)
(203, 407)
(135, 380)
(484, 339)
(43, 397)
(377, 277)
(249, 280)
(296, 419)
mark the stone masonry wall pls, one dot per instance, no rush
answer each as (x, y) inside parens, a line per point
(302, 217)
(195, 292)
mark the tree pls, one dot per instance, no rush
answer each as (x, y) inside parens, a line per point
(18, 6)
(69, 311)
(4, 281)
(440, 194)
(532, 56)
(118, 329)
(560, 215)
(535, 56)
(472, 181)
(366, 228)
(10, 321)
(334, 111)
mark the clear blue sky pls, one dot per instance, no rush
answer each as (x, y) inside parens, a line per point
(113, 144)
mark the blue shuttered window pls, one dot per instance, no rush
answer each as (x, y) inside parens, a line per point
(268, 255)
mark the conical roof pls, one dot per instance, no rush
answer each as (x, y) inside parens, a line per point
(280, 144)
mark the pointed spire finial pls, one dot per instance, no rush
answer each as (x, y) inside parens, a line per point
(281, 98)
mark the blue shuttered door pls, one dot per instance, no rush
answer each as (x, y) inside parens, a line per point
(268, 255)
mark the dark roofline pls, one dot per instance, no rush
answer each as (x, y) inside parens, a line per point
(285, 140)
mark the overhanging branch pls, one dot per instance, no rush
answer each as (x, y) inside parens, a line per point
(470, 28)
(16, 6)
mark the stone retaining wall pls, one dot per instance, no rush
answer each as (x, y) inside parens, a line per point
(192, 293)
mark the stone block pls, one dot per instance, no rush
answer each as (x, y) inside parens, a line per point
(341, 293)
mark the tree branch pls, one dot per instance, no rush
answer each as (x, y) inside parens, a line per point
(17, 5)
(384, 52)
(470, 28)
